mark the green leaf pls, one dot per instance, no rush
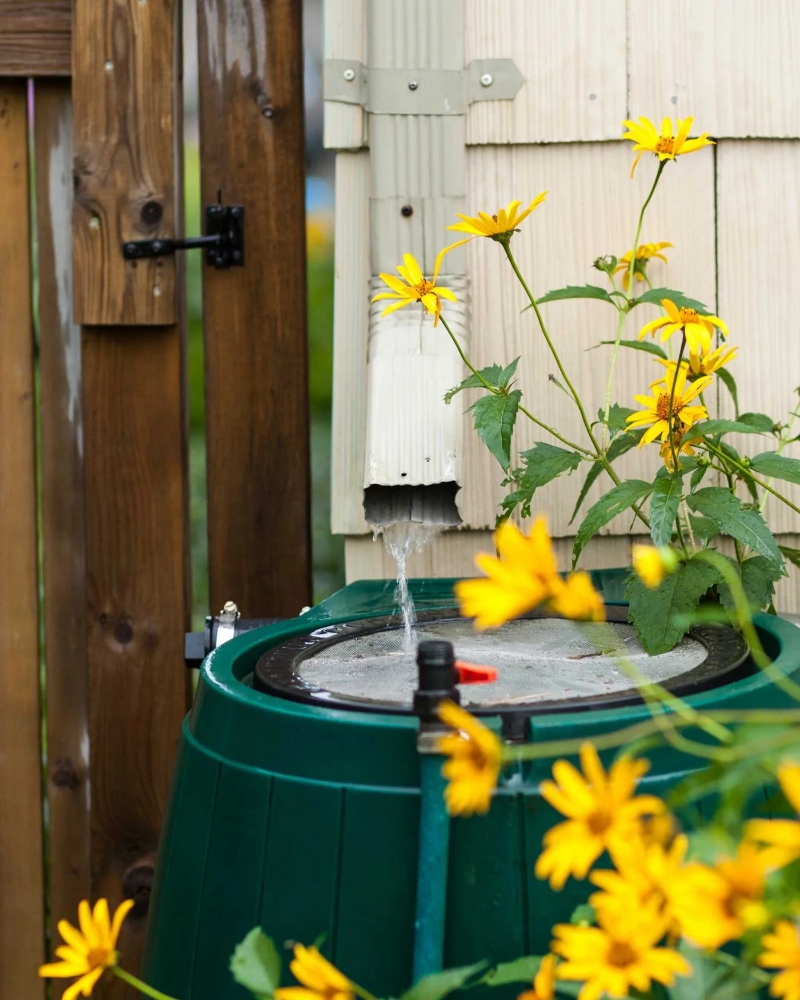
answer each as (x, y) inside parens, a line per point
(730, 384)
(711, 428)
(576, 292)
(617, 448)
(760, 420)
(745, 524)
(697, 477)
(710, 979)
(543, 463)
(640, 345)
(494, 375)
(522, 970)
(653, 612)
(591, 477)
(759, 576)
(775, 466)
(495, 417)
(664, 503)
(655, 295)
(439, 984)
(617, 417)
(793, 555)
(256, 964)
(704, 528)
(614, 502)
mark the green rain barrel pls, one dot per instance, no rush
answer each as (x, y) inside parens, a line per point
(302, 816)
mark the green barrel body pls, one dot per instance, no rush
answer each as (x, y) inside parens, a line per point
(305, 820)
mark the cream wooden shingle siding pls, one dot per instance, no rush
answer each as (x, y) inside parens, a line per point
(733, 213)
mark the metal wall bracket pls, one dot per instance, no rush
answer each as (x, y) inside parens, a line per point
(223, 242)
(420, 91)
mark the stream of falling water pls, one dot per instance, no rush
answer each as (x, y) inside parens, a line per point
(404, 539)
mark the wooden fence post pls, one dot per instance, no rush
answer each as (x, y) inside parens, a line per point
(21, 872)
(252, 149)
(126, 129)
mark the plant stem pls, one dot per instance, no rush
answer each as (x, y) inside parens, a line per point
(671, 415)
(137, 984)
(360, 991)
(632, 265)
(743, 468)
(493, 389)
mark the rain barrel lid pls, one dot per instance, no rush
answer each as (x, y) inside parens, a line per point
(546, 664)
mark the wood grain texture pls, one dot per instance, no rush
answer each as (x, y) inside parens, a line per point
(591, 210)
(572, 55)
(351, 326)
(453, 555)
(21, 873)
(125, 87)
(137, 600)
(62, 513)
(252, 148)
(345, 37)
(730, 63)
(35, 37)
(758, 227)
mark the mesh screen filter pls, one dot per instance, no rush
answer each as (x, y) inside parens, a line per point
(540, 659)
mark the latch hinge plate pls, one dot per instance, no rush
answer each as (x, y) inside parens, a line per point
(223, 243)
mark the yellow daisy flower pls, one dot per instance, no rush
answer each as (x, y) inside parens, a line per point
(653, 564)
(669, 144)
(656, 414)
(620, 954)
(705, 364)
(523, 577)
(503, 224)
(87, 952)
(474, 754)
(716, 904)
(415, 287)
(644, 253)
(320, 980)
(544, 983)
(697, 328)
(782, 951)
(602, 813)
(782, 835)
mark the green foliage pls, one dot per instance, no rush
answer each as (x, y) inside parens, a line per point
(494, 418)
(439, 984)
(543, 463)
(653, 612)
(617, 500)
(703, 528)
(256, 964)
(733, 518)
(640, 345)
(494, 375)
(775, 466)
(522, 970)
(697, 476)
(655, 295)
(664, 502)
(714, 428)
(617, 448)
(759, 576)
(576, 292)
(617, 418)
(710, 979)
(730, 384)
(793, 555)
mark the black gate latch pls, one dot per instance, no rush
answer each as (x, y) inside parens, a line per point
(224, 242)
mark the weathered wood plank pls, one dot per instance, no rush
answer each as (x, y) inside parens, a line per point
(62, 513)
(730, 63)
(35, 37)
(125, 93)
(572, 54)
(345, 28)
(21, 873)
(252, 148)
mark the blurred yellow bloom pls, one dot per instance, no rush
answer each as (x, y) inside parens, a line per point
(87, 952)
(644, 253)
(697, 328)
(544, 983)
(703, 364)
(782, 835)
(681, 447)
(653, 564)
(474, 761)
(716, 904)
(620, 954)
(523, 577)
(503, 223)
(657, 411)
(602, 813)
(415, 287)
(782, 951)
(320, 980)
(668, 145)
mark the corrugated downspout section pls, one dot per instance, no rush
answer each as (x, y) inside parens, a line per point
(414, 439)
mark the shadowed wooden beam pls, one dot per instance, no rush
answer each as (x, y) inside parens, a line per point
(35, 37)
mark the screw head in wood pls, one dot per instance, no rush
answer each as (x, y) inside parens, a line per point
(94, 222)
(413, 85)
(487, 80)
(108, 66)
(349, 75)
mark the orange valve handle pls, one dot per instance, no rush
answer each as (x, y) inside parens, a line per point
(474, 673)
